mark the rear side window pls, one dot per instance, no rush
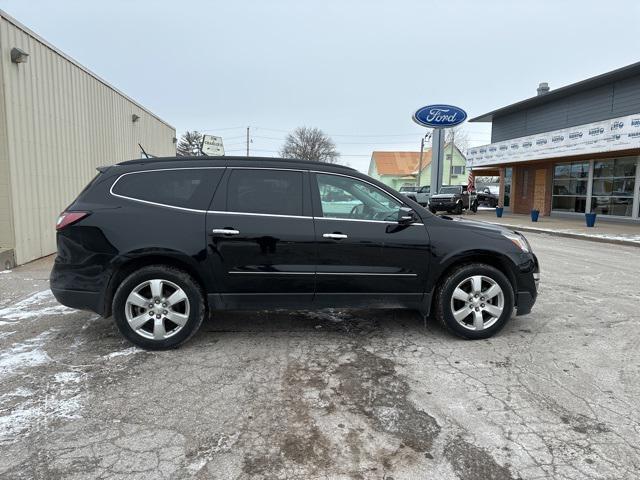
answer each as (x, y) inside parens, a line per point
(276, 192)
(186, 188)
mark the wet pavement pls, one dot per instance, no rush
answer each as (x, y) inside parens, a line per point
(333, 394)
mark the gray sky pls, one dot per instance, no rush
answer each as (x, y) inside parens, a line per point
(356, 69)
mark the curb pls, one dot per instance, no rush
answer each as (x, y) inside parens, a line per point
(578, 236)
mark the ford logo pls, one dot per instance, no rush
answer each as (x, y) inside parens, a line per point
(439, 116)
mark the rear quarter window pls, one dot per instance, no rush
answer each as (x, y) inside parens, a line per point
(185, 188)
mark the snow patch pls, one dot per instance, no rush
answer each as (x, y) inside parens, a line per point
(5, 334)
(121, 353)
(24, 355)
(5, 271)
(37, 305)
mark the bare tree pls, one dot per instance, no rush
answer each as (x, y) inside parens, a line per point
(189, 144)
(308, 143)
(459, 136)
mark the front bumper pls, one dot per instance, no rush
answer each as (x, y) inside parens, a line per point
(443, 205)
(528, 285)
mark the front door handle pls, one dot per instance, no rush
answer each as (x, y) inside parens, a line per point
(225, 231)
(335, 235)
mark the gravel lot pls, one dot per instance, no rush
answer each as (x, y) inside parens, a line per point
(358, 394)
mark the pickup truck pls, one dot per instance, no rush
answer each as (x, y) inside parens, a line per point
(453, 199)
(487, 197)
(417, 194)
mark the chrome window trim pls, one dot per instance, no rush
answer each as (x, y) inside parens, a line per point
(148, 202)
(224, 212)
(362, 220)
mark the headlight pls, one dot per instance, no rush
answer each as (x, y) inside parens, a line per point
(519, 240)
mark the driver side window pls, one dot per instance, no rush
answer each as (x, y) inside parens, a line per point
(346, 197)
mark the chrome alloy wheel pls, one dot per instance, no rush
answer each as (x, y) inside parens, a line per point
(157, 309)
(477, 302)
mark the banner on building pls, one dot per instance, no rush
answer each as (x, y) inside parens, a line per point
(606, 136)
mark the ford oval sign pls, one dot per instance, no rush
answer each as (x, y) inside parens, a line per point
(439, 116)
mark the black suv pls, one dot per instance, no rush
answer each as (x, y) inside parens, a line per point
(453, 199)
(160, 243)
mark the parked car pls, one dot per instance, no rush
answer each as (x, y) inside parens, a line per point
(419, 195)
(486, 197)
(453, 199)
(161, 243)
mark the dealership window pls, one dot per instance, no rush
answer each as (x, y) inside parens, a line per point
(613, 186)
(570, 186)
(508, 176)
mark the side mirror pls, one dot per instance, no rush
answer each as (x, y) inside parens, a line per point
(406, 216)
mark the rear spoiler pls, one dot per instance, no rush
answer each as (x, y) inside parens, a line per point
(103, 168)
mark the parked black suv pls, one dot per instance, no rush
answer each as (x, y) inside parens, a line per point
(160, 243)
(453, 199)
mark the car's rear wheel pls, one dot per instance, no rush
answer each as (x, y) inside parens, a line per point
(158, 307)
(475, 301)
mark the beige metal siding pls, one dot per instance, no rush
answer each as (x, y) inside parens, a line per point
(6, 225)
(62, 122)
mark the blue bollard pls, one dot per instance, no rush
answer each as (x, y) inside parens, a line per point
(590, 218)
(499, 211)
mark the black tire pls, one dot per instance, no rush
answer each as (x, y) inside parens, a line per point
(444, 294)
(474, 207)
(433, 210)
(458, 209)
(178, 277)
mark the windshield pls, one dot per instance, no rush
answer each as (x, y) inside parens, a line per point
(408, 189)
(450, 190)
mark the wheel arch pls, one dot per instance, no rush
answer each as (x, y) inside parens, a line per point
(487, 257)
(127, 265)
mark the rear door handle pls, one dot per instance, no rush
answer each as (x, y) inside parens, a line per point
(225, 231)
(335, 235)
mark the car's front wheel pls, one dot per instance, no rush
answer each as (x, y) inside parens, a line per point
(158, 307)
(475, 301)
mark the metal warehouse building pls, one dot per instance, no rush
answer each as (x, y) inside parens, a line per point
(569, 151)
(58, 122)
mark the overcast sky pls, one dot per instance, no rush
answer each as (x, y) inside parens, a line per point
(356, 69)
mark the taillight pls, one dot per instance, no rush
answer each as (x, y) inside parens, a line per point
(68, 218)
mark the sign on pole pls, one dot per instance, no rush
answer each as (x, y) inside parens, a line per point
(212, 146)
(438, 117)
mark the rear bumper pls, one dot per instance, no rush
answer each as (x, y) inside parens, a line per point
(79, 299)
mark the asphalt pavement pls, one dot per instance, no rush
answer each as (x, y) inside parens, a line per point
(332, 394)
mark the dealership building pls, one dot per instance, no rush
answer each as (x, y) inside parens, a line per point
(569, 151)
(58, 122)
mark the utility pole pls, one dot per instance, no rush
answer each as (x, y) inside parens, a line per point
(420, 162)
(453, 141)
(247, 141)
(426, 137)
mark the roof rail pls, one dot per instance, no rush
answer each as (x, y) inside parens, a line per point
(234, 158)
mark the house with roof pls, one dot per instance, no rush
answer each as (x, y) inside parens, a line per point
(400, 169)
